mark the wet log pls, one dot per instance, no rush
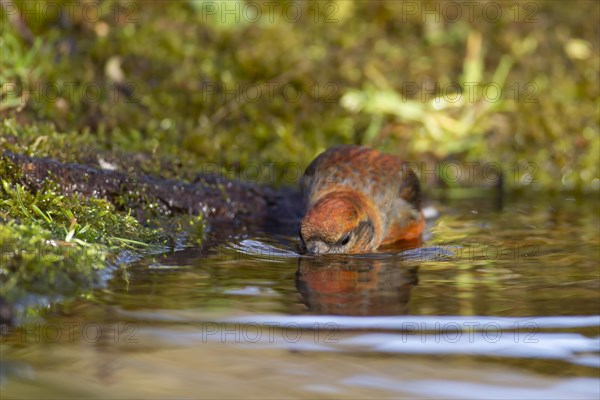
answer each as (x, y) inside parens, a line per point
(218, 199)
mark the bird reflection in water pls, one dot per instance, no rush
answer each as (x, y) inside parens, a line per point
(374, 284)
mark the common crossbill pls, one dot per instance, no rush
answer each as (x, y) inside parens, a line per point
(357, 200)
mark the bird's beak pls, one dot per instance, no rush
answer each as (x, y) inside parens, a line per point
(316, 247)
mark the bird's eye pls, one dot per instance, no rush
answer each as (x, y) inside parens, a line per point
(345, 239)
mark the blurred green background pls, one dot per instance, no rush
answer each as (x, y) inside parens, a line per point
(185, 83)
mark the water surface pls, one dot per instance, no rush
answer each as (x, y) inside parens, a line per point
(500, 301)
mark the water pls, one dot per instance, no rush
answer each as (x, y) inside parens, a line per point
(498, 303)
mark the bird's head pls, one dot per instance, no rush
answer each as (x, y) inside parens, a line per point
(340, 222)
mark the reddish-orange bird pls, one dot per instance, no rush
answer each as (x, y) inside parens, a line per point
(358, 199)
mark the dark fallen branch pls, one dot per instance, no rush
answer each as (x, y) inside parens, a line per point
(218, 199)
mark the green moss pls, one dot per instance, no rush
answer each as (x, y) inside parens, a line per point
(55, 245)
(34, 263)
(73, 218)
